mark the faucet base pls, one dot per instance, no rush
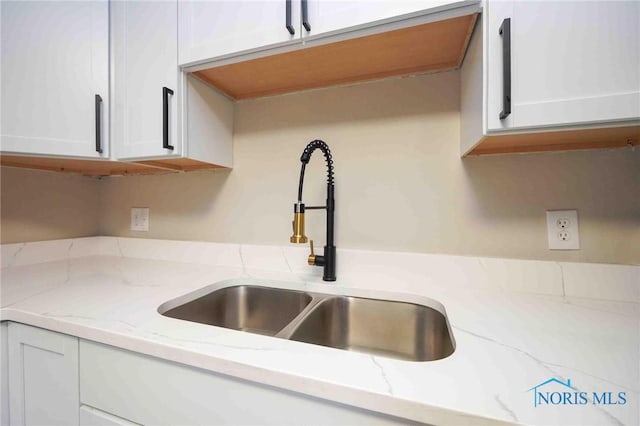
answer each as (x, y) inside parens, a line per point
(329, 264)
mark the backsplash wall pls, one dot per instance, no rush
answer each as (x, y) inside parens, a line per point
(38, 205)
(400, 183)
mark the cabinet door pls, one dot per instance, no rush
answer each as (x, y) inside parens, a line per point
(43, 377)
(210, 29)
(326, 16)
(153, 391)
(55, 60)
(572, 63)
(145, 50)
(4, 374)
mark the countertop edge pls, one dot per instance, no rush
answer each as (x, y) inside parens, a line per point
(341, 394)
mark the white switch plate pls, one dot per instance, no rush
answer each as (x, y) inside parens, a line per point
(563, 231)
(140, 219)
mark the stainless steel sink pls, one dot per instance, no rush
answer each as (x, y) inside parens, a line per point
(381, 327)
(389, 328)
(261, 310)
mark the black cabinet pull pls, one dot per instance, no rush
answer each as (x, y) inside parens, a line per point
(98, 103)
(505, 32)
(305, 16)
(287, 22)
(165, 117)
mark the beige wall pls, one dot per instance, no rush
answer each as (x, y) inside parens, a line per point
(39, 205)
(400, 184)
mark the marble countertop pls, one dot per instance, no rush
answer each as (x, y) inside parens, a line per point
(516, 323)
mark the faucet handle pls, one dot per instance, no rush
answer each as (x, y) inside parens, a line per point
(311, 260)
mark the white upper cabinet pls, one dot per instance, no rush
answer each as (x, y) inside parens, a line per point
(325, 16)
(55, 78)
(145, 50)
(551, 75)
(210, 29)
(160, 115)
(214, 30)
(572, 63)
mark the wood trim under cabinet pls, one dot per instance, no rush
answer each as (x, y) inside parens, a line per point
(84, 167)
(435, 46)
(180, 164)
(610, 137)
(104, 168)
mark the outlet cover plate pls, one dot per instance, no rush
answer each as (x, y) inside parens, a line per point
(563, 232)
(140, 219)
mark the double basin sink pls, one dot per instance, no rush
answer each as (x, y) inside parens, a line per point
(393, 329)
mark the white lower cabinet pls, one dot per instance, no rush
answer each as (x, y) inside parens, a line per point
(56, 379)
(4, 374)
(149, 390)
(43, 377)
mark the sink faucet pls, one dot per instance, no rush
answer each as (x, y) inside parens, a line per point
(328, 259)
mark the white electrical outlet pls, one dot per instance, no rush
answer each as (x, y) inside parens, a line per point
(140, 219)
(563, 232)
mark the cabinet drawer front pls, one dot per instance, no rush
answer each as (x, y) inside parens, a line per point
(149, 390)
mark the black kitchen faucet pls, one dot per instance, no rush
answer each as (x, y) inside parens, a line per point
(328, 259)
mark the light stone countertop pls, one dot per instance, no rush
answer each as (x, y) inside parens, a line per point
(516, 323)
